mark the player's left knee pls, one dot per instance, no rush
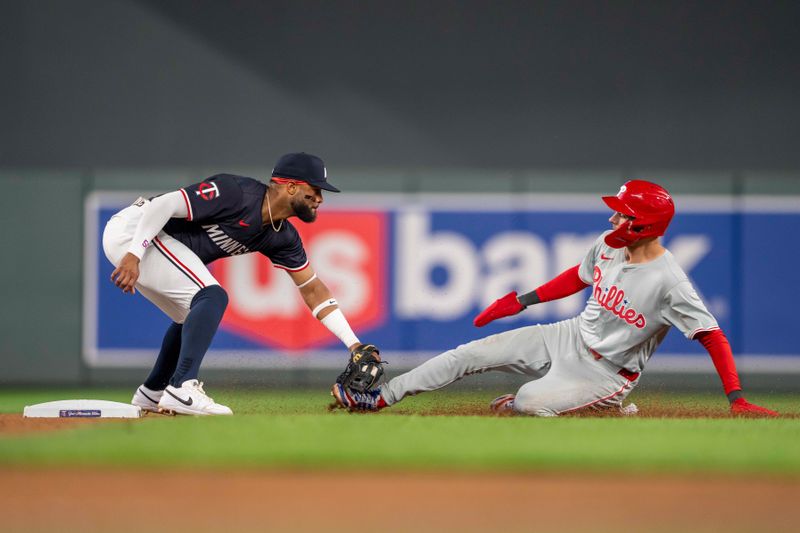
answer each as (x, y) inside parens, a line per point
(213, 294)
(532, 404)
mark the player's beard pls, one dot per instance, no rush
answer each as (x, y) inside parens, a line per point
(303, 211)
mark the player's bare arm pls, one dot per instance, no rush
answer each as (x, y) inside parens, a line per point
(313, 291)
(323, 305)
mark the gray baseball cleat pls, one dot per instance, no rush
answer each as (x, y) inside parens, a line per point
(503, 405)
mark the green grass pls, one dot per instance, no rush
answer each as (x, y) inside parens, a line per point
(280, 429)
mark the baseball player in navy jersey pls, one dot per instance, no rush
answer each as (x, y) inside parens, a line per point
(161, 247)
(594, 360)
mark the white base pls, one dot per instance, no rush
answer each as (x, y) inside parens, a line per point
(82, 409)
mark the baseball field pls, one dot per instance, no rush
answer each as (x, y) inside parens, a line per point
(437, 462)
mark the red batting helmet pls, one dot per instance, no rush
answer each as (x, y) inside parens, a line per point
(649, 204)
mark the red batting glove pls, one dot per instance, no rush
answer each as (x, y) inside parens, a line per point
(742, 407)
(506, 306)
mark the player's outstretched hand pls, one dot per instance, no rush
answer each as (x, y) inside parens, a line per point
(742, 407)
(126, 274)
(506, 306)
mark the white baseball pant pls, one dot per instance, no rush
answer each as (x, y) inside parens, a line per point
(170, 274)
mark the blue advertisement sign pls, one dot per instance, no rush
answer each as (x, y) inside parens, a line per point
(411, 273)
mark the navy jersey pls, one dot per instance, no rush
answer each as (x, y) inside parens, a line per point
(225, 219)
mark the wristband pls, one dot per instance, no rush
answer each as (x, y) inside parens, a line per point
(337, 324)
(528, 299)
(735, 395)
(327, 303)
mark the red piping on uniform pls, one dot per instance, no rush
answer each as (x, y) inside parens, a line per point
(597, 401)
(188, 205)
(298, 269)
(702, 330)
(187, 269)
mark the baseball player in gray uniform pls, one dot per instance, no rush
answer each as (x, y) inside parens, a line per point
(594, 360)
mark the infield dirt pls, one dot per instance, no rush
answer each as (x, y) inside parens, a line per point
(95, 500)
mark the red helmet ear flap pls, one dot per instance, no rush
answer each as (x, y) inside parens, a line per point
(621, 237)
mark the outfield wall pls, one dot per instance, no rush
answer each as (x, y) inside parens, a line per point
(430, 260)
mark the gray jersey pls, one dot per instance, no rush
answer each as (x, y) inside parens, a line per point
(633, 305)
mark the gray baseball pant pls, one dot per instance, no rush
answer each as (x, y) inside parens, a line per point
(566, 376)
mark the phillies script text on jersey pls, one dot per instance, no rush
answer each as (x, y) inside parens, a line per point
(613, 299)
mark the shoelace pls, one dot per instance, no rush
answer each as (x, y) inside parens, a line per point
(199, 387)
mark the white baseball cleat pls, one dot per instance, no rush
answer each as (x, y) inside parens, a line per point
(190, 399)
(629, 410)
(147, 399)
(503, 405)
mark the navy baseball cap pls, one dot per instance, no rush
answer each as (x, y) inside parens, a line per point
(304, 167)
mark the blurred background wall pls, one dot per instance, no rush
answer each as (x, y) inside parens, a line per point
(395, 96)
(466, 83)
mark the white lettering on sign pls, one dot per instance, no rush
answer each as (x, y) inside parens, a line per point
(253, 297)
(337, 256)
(418, 252)
(510, 260)
(515, 261)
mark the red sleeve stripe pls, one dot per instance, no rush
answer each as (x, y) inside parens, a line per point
(289, 269)
(693, 334)
(190, 215)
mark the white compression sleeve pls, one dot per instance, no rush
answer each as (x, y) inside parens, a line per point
(157, 213)
(338, 325)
